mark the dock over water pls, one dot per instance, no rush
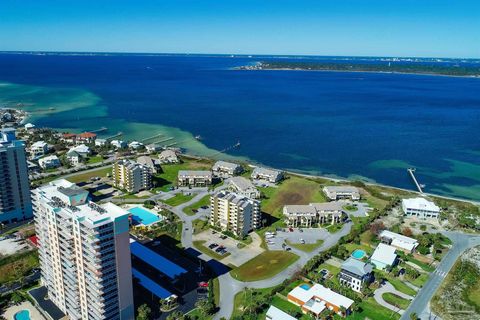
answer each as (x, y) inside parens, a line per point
(411, 171)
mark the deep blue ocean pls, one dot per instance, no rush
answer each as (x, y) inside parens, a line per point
(370, 125)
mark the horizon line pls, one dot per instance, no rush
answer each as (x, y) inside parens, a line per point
(220, 54)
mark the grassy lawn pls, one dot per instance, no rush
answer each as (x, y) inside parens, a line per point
(333, 228)
(307, 247)
(205, 201)
(395, 300)
(168, 177)
(94, 159)
(16, 266)
(178, 199)
(264, 266)
(199, 225)
(349, 207)
(242, 299)
(352, 247)
(200, 245)
(420, 280)
(370, 309)
(294, 190)
(400, 286)
(131, 196)
(216, 291)
(85, 176)
(289, 308)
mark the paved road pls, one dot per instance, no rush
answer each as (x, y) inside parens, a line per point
(388, 287)
(461, 242)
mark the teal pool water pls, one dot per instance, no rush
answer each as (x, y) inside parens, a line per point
(142, 216)
(22, 315)
(305, 286)
(359, 254)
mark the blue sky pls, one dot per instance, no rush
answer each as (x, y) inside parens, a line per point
(440, 28)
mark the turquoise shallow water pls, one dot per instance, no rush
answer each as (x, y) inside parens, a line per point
(357, 125)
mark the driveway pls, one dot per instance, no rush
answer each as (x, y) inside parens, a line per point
(461, 242)
(388, 287)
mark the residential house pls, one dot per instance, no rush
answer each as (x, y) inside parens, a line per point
(100, 142)
(82, 150)
(135, 145)
(420, 207)
(29, 126)
(341, 192)
(86, 137)
(168, 156)
(153, 164)
(314, 299)
(270, 175)
(226, 169)
(70, 138)
(119, 144)
(38, 149)
(131, 176)
(74, 158)
(194, 178)
(153, 147)
(401, 242)
(314, 213)
(244, 187)
(235, 213)
(49, 162)
(273, 313)
(355, 273)
(384, 256)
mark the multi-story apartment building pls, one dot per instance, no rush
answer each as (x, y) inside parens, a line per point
(243, 187)
(194, 178)
(84, 252)
(420, 207)
(234, 213)
(131, 176)
(315, 213)
(226, 169)
(341, 192)
(270, 175)
(15, 200)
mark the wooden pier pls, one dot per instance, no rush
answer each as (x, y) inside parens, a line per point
(411, 171)
(114, 136)
(99, 130)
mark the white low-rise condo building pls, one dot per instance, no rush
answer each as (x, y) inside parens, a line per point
(406, 244)
(49, 162)
(244, 187)
(312, 214)
(38, 149)
(153, 164)
(235, 213)
(194, 178)
(168, 156)
(341, 192)
(420, 207)
(223, 168)
(84, 253)
(270, 175)
(131, 176)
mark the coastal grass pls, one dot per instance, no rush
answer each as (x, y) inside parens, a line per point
(18, 265)
(396, 300)
(370, 309)
(264, 266)
(205, 201)
(200, 245)
(85, 176)
(294, 190)
(306, 247)
(178, 199)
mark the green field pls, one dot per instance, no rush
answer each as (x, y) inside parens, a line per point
(306, 247)
(15, 266)
(85, 176)
(245, 297)
(94, 159)
(370, 309)
(205, 201)
(168, 177)
(264, 266)
(400, 285)
(178, 199)
(395, 300)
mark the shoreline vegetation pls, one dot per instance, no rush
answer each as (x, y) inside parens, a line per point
(403, 68)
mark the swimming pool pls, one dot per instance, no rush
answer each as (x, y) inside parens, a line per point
(359, 254)
(305, 286)
(142, 216)
(22, 315)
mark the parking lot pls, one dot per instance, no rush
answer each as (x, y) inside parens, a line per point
(221, 244)
(297, 235)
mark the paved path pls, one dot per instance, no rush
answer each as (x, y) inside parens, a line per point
(388, 287)
(461, 242)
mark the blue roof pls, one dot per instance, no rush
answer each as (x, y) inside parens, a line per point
(163, 265)
(151, 285)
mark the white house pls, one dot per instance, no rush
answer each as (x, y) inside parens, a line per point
(74, 158)
(153, 147)
(168, 156)
(354, 273)
(38, 149)
(224, 168)
(383, 256)
(49, 162)
(273, 313)
(29, 126)
(100, 142)
(269, 175)
(398, 241)
(119, 144)
(341, 192)
(135, 145)
(420, 207)
(82, 150)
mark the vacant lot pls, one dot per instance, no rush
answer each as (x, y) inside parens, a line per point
(264, 266)
(14, 267)
(85, 176)
(294, 190)
(178, 199)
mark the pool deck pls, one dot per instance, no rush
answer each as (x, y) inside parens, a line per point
(34, 313)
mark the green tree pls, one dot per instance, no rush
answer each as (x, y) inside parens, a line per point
(143, 312)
